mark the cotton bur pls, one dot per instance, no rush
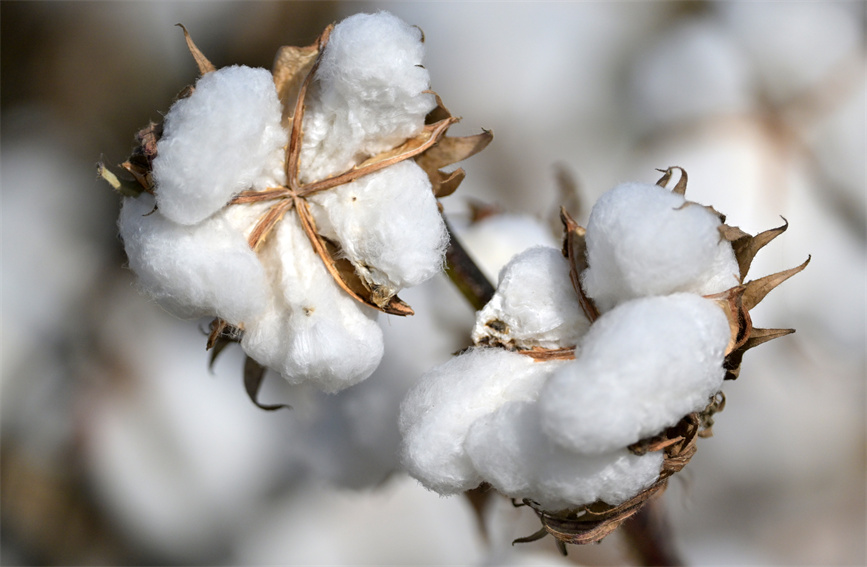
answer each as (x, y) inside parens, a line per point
(292, 205)
(620, 343)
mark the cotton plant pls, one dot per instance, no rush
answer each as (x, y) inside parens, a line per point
(292, 205)
(596, 367)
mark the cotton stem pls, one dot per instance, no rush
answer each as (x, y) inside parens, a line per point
(466, 274)
(650, 537)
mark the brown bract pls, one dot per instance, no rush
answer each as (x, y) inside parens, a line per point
(293, 70)
(591, 523)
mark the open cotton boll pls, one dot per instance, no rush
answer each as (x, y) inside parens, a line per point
(312, 331)
(512, 453)
(535, 304)
(645, 240)
(438, 412)
(368, 95)
(644, 365)
(206, 269)
(224, 138)
(388, 225)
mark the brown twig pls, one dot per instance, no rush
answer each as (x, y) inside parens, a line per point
(466, 274)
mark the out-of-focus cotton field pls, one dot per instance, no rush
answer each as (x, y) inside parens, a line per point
(119, 446)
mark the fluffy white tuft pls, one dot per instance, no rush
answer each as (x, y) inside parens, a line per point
(368, 95)
(644, 365)
(224, 138)
(438, 412)
(206, 269)
(312, 330)
(388, 226)
(535, 304)
(510, 451)
(645, 240)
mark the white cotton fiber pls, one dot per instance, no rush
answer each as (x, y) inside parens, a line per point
(510, 451)
(388, 225)
(368, 94)
(224, 138)
(312, 331)
(644, 365)
(535, 304)
(438, 412)
(192, 271)
(644, 240)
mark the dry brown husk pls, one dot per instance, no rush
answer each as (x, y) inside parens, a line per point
(592, 522)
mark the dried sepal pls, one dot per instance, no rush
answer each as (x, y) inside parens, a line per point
(756, 290)
(292, 65)
(546, 354)
(747, 246)
(448, 151)
(202, 62)
(125, 188)
(680, 186)
(254, 375)
(575, 251)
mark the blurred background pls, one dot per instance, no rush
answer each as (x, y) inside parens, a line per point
(119, 446)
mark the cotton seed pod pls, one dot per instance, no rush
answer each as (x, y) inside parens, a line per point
(241, 176)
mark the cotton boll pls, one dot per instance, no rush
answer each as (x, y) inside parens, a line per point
(644, 240)
(535, 304)
(312, 330)
(438, 412)
(388, 225)
(224, 138)
(644, 365)
(192, 271)
(513, 454)
(368, 94)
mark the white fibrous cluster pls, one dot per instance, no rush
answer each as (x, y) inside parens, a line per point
(191, 246)
(370, 94)
(534, 305)
(558, 431)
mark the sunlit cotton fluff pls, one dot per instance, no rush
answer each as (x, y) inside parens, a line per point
(388, 225)
(438, 412)
(643, 366)
(311, 330)
(224, 138)
(511, 452)
(192, 271)
(368, 94)
(535, 304)
(645, 240)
